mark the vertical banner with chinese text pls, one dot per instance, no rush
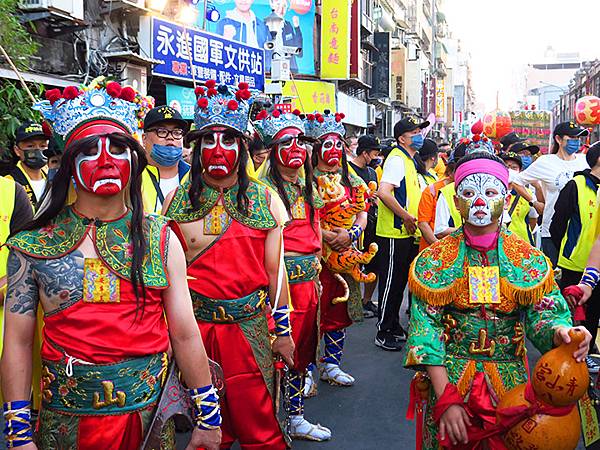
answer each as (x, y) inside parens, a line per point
(335, 39)
(440, 99)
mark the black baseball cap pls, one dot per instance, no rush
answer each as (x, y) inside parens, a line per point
(510, 139)
(521, 146)
(429, 149)
(29, 130)
(164, 113)
(569, 129)
(408, 124)
(512, 156)
(368, 142)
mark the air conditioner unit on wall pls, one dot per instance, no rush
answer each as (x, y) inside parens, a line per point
(371, 114)
(134, 76)
(73, 8)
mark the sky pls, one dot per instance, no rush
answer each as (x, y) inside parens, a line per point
(504, 35)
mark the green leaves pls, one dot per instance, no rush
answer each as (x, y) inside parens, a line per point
(13, 36)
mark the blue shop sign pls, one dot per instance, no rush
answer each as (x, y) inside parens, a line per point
(182, 99)
(212, 57)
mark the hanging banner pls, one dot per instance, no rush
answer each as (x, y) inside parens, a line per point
(381, 66)
(310, 96)
(244, 21)
(181, 98)
(440, 98)
(183, 50)
(355, 39)
(335, 39)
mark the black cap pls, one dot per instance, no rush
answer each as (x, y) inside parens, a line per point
(429, 149)
(368, 142)
(569, 129)
(510, 139)
(164, 114)
(29, 130)
(408, 124)
(512, 156)
(521, 146)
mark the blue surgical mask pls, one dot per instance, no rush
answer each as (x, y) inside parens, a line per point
(572, 146)
(166, 155)
(417, 141)
(526, 160)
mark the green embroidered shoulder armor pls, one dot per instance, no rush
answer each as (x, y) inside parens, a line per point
(438, 274)
(111, 239)
(259, 215)
(291, 191)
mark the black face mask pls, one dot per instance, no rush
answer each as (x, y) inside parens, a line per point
(35, 159)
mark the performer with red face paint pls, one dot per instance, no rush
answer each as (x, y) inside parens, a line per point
(108, 278)
(329, 161)
(289, 173)
(233, 231)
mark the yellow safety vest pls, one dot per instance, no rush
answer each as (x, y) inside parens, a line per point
(519, 218)
(7, 205)
(150, 186)
(408, 195)
(448, 192)
(579, 238)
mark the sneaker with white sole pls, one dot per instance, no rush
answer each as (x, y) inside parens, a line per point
(300, 428)
(336, 376)
(593, 366)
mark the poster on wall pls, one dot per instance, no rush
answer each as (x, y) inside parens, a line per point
(534, 126)
(244, 21)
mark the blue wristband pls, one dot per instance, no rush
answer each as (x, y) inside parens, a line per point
(206, 408)
(590, 277)
(355, 232)
(282, 321)
(17, 420)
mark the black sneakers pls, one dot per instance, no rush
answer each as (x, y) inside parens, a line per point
(369, 310)
(388, 341)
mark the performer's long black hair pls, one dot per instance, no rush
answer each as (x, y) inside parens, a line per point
(197, 185)
(60, 190)
(344, 163)
(308, 188)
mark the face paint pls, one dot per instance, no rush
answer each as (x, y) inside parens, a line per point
(103, 171)
(291, 153)
(332, 149)
(481, 199)
(219, 151)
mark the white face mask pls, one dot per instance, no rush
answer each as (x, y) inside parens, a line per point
(481, 199)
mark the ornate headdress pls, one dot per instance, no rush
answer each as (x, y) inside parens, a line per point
(478, 142)
(102, 107)
(222, 106)
(318, 125)
(268, 125)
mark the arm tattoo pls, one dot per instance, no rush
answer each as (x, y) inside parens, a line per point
(60, 280)
(22, 294)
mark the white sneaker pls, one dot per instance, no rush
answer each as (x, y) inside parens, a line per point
(300, 428)
(310, 385)
(592, 365)
(336, 376)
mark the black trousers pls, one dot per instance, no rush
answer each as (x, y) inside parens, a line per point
(393, 262)
(592, 307)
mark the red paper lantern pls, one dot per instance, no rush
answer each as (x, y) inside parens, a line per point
(301, 6)
(587, 110)
(496, 124)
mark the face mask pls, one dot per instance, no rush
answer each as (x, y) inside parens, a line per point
(481, 199)
(292, 153)
(34, 159)
(375, 162)
(166, 155)
(51, 173)
(219, 153)
(572, 146)
(526, 160)
(106, 172)
(417, 141)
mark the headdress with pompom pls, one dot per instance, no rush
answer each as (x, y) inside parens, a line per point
(268, 125)
(318, 125)
(102, 107)
(478, 142)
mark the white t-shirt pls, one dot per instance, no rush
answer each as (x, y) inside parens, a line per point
(38, 187)
(442, 216)
(167, 185)
(393, 171)
(552, 173)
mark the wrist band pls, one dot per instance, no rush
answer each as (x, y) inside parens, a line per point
(355, 232)
(17, 419)
(282, 321)
(207, 411)
(590, 277)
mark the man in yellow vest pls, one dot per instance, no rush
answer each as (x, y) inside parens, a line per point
(164, 130)
(30, 147)
(396, 231)
(573, 230)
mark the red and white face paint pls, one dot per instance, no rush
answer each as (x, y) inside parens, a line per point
(332, 149)
(219, 152)
(291, 153)
(103, 170)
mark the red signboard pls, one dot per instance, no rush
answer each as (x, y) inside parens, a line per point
(354, 38)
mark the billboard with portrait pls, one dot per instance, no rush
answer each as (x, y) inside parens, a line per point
(244, 21)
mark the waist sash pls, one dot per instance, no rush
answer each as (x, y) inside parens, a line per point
(302, 268)
(103, 389)
(228, 311)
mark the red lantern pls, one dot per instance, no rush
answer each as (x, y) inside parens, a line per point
(587, 110)
(301, 6)
(496, 124)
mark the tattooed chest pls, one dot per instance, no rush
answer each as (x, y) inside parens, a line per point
(60, 280)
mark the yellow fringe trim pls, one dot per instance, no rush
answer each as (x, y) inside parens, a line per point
(491, 370)
(464, 383)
